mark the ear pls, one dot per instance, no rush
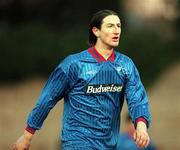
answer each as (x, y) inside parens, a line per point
(95, 30)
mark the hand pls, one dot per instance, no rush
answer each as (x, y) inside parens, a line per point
(23, 143)
(141, 136)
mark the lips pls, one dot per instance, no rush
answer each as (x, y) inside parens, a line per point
(115, 38)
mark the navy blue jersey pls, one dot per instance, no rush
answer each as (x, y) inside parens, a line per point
(93, 90)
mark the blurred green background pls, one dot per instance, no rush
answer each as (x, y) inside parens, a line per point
(35, 35)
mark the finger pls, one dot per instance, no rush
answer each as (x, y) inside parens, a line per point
(142, 145)
(145, 141)
(141, 140)
(138, 138)
(148, 141)
(14, 147)
(134, 136)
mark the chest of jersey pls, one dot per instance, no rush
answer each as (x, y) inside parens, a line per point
(100, 78)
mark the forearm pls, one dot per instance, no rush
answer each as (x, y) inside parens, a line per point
(28, 135)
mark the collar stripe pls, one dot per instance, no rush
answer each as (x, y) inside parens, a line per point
(93, 51)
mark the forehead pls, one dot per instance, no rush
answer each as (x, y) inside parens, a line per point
(113, 19)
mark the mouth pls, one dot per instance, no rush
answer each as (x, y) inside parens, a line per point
(115, 38)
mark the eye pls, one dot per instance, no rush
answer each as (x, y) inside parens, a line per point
(110, 25)
(119, 25)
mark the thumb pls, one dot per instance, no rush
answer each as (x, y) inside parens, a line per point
(134, 135)
(14, 147)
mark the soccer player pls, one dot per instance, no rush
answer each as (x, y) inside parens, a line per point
(93, 84)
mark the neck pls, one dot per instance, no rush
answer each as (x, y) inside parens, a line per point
(104, 51)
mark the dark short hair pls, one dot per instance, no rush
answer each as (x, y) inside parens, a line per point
(96, 21)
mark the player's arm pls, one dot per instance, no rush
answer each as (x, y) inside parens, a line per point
(138, 106)
(52, 92)
(55, 88)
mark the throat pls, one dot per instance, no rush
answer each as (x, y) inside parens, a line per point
(105, 53)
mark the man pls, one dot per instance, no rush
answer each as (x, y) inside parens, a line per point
(93, 84)
(126, 141)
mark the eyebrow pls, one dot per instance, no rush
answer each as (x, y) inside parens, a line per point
(113, 24)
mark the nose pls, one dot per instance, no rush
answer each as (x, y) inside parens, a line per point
(117, 30)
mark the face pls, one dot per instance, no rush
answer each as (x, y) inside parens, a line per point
(109, 33)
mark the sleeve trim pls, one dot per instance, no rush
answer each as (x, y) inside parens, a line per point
(30, 129)
(141, 119)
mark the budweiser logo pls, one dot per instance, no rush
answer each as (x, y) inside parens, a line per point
(104, 88)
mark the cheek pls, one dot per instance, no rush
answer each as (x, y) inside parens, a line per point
(120, 31)
(106, 31)
(106, 35)
(105, 38)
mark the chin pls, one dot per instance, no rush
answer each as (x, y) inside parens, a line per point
(115, 45)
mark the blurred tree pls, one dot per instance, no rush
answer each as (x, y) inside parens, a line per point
(40, 33)
(15, 13)
(61, 12)
(43, 32)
